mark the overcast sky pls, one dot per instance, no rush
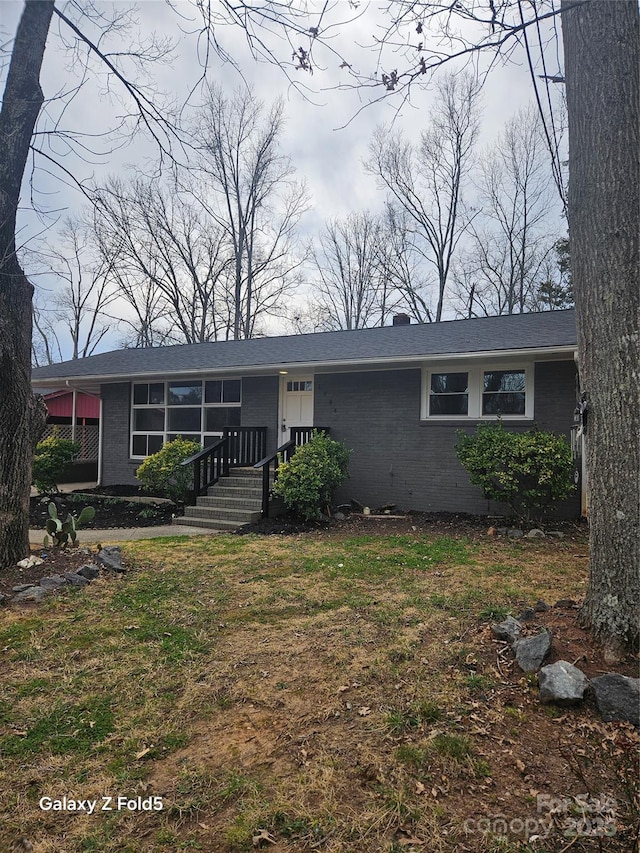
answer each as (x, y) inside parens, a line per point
(327, 134)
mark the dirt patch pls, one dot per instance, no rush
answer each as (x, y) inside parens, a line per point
(111, 512)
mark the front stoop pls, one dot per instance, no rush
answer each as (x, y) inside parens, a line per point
(233, 501)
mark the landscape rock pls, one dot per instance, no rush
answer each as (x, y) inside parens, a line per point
(527, 614)
(501, 531)
(541, 606)
(111, 558)
(29, 562)
(508, 630)
(32, 593)
(555, 534)
(515, 533)
(617, 697)
(90, 572)
(531, 651)
(566, 604)
(53, 582)
(20, 587)
(536, 533)
(75, 579)
(562, 683)
(339, 516)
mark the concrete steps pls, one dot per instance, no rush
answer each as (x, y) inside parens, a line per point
(232, 502)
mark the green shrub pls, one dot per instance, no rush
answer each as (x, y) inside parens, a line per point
(51, 461)
(527, 471)
(163, 472)
(306, 483)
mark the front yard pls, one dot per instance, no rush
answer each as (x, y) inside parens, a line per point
(323, 692)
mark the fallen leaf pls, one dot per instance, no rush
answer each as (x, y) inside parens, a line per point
(263, 835)
(520, 765)
(364, 711)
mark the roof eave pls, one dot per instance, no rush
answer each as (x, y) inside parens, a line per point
(373, 363)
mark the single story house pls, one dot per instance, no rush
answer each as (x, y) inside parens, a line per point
(395, 395)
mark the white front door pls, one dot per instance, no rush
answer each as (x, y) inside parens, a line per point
(297, 403)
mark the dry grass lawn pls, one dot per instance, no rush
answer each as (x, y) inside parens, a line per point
(340, 694)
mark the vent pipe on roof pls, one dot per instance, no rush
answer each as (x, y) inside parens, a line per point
(401, 319)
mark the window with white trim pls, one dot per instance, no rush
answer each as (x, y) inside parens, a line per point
(478, 392)
(195, 409)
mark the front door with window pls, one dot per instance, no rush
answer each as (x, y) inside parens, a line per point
(297, 403)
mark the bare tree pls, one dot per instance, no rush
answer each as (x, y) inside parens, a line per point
(350, 291)
(76, 310)
(510, 237)
(253, 197)
(427, 181)
(404, 265)
(170, 260)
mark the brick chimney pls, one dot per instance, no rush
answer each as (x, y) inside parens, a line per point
(401, 319)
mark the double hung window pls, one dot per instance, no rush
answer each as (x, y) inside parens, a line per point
(479, 392)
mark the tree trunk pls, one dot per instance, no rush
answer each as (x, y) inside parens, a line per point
(602, 52)
(21, 415)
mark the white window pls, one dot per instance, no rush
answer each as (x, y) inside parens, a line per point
(479, 392)
(195, 409)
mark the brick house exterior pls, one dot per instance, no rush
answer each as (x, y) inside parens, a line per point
(396, 396)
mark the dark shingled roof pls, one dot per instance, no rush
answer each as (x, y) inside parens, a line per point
(486, 334)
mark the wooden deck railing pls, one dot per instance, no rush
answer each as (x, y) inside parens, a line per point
(269, 465)
(239, 447)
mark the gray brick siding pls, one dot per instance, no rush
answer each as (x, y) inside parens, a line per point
(117, 467)
(396, 458)
(260, 406)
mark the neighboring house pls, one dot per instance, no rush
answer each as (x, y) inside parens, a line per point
(75, 415)
(396, 396)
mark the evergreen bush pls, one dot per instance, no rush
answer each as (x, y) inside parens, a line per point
(51, 460)
(307, 482)
(163, 473)
(528, 471)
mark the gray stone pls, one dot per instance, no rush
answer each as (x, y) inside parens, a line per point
(508, 630)
(527, 614)
(76, 580)
(618, 697)
(566, 604)
(562, 683)
(339, 516)
(555, 534)
(541, 606)
(20, 587)
(536, 533)
(501, 531)
(90, 572)
(531, 651)
(32, 593)
(111, 558)
(53, 582)
(515, 533)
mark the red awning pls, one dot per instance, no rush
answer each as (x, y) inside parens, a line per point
(60, 404)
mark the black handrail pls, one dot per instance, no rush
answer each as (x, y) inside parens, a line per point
(299, 436)
(239, 447)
